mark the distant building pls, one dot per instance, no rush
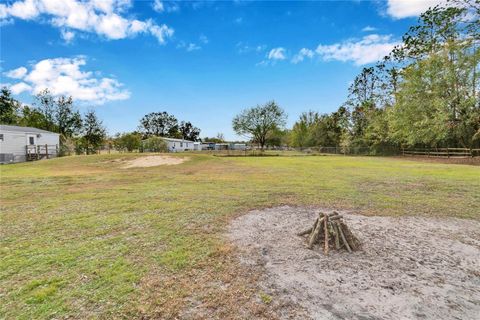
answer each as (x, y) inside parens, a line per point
(179, 145)
(18, 144)
(223, 146)
(238, 146)
(208, 146)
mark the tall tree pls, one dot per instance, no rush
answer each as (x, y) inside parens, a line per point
(9, 107)
(188, 131)
(159, 124)
(31, 117)
(94, 132)
(301, 134)
(259, 121)
(45, 104)
(68, 121)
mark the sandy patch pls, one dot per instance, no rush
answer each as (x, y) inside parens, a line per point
(409, 267)
(153, 161)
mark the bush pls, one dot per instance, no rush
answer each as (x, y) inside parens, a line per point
(128, 141)
(154, 144)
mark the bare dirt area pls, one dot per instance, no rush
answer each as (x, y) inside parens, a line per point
(153, 161)
(408, 267)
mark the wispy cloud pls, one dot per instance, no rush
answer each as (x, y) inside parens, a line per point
(368, 49)
(188, 46)
(67, 36)
(63, 76)
(277, 54)
(192, 47)
(302, 54)
(18, 73)
(247, 48)
(107, 19)
(399, 9)
(273, 56)
(203, 39)
(369, 29)
(158, 6)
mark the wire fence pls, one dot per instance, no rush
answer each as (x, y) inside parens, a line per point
(353, 151)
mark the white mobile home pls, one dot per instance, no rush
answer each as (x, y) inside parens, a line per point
(179, 145)
(18, 144)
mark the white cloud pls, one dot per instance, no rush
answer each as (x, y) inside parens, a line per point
(172, 7)
(410, 8)
(158, 6)
(3, 11)
(20, 87)
(302, 54)
(277, 54)
(193, 47)
(188, 46)
(18, 73)
(27, 9)
(369, 29)
(67, 35)
(103, 17)
(203, 39)
(246, 48)
(63, 76)
(370, 48)
(160, 32)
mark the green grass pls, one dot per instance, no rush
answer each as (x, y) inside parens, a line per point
(83, 238)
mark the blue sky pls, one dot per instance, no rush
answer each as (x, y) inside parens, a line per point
(201, 61)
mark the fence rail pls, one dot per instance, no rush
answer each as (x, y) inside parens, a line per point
(443, 152)
(40, 151)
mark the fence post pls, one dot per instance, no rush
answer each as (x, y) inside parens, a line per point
(46, 149)
(38, 151)
(448, 153)
(56, 149)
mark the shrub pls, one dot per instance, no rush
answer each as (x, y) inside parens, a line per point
(154, 144)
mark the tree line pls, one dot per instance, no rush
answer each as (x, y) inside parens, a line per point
(152, 128)
(425, 93)
(87, 134)
(78, 134)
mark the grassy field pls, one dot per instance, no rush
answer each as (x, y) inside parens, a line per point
(83, 238)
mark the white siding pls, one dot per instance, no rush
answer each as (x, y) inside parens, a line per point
(177, 145)
(15, 143)
(48, 138)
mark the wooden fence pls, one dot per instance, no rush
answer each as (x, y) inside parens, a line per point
(40, 151)
(443, 152)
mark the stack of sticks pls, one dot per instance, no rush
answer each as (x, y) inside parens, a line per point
(330, 231)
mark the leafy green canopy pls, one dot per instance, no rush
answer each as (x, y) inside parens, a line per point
(425, 93)
(259, 121)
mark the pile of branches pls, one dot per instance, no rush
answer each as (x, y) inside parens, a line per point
(330, 231)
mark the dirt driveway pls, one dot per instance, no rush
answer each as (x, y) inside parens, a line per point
(409, 267)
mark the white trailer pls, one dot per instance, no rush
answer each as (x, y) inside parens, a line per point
(19, 144)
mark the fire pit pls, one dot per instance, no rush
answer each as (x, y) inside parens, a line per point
(330, 231)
